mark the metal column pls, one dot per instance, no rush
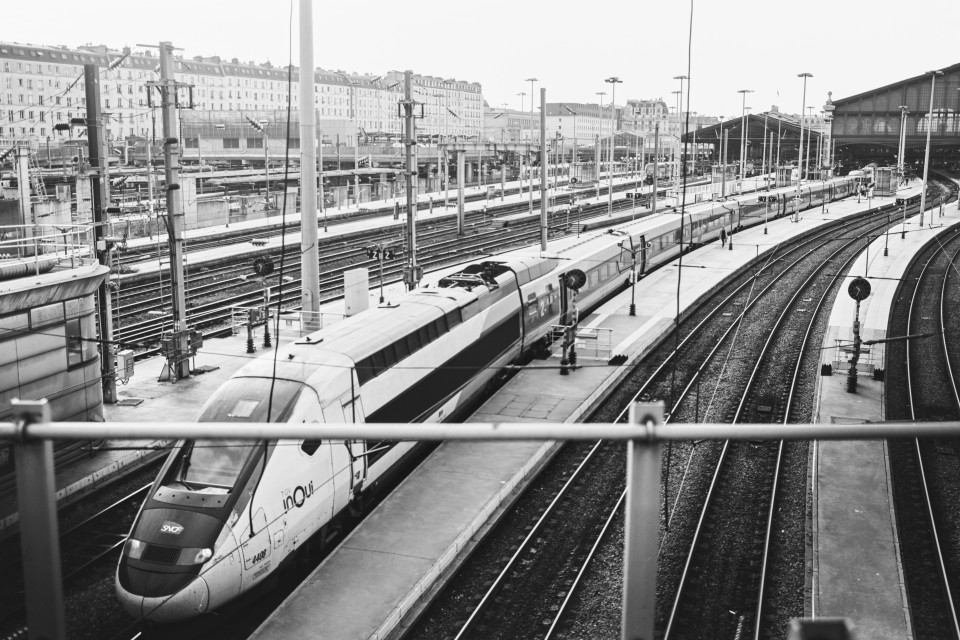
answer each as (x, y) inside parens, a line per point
(641, 530)
(310, 254)
(543, 169)
(460, 181)
(43, 583)
(412, 273)
(171, 158)
(98, 189)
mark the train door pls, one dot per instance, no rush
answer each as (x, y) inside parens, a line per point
(643, 256)
(349, 462)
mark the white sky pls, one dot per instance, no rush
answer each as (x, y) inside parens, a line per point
(848, 46)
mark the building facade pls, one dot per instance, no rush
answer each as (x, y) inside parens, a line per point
(42, 86)
(509, 125)
(867, 127)
(582, 123)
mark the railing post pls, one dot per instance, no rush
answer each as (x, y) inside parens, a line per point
(642, 526)
(40, 549)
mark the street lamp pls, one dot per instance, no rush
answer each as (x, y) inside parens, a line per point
(926, 154)
(901, 149)
(532, 95)
(597, 152)
(676, 155)
(743, 131)
(680, 121)
(800, 159)
(613, 80)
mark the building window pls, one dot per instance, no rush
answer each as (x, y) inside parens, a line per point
(74, 343)
(231, 143)
(255, 143)
(191, 143)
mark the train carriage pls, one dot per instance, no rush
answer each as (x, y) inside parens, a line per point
(219, 520)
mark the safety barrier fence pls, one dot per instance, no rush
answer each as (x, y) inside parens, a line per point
(33, 433)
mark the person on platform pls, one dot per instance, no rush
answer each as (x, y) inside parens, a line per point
(723, 237)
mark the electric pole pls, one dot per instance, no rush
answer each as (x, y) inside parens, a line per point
(544, 215)
(413, 272)
(98, 189)
(177, 350)
(309, 252)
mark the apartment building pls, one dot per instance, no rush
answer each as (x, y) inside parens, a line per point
(41, 86)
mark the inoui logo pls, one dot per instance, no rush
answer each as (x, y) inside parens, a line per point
(298, 497)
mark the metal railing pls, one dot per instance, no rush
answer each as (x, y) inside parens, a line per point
(33, 434)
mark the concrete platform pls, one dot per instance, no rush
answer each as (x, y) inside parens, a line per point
(856, 569)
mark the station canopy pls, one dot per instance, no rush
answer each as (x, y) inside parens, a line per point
(758, 126)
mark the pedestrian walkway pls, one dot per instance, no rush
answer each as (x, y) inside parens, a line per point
(856, 563)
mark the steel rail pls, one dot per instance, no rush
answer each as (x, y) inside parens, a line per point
(938, 547)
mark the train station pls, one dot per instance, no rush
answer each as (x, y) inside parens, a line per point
(293, 350)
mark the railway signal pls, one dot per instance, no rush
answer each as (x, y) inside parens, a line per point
(859, 290)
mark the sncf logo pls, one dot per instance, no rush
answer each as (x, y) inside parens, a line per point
(171, 527)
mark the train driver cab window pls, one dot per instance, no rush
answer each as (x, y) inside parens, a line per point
(310, 447)
(211, 466)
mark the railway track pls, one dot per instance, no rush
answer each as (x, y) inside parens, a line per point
(922, 376)
(89, 545)
(142, 321)
(578, 537)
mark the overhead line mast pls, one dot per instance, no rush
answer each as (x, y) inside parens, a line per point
(310, 258)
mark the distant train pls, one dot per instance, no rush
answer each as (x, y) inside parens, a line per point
(223, 517)
(909, 196)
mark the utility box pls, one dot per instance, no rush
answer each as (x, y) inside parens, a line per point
(125, 364)
(356, 291)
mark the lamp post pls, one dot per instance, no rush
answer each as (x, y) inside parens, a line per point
(743, 132)
(676, 155)
(680, 123)
(800, 159)
(598, 154)
(809, 137)
(903, 139)
(532, 96)
(926, 153)
(763, 154)
(613, 80)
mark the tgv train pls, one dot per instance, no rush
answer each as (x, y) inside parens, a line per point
(223, 517)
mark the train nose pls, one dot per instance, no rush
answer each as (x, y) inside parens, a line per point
(170, 597)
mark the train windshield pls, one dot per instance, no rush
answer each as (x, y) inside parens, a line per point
(215, 466)
(251, 399)
(212, 466)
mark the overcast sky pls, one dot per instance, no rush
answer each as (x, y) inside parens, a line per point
(571, 47)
